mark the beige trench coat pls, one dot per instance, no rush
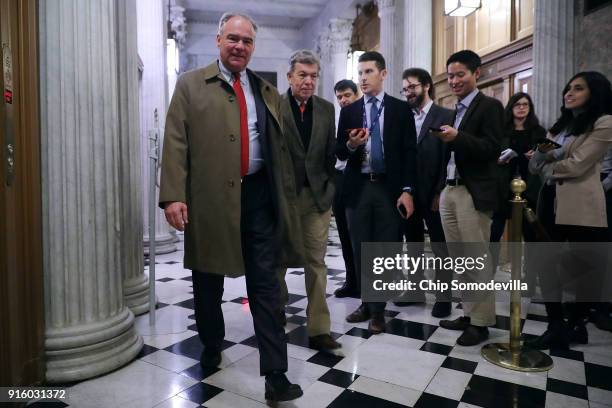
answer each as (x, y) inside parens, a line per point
(201, 167)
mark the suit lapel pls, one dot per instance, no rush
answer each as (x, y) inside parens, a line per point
(426, 123)
(289, 120)
(316, 131)
(388, 111)
(470, 110)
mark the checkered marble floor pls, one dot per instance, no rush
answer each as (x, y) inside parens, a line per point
(414, 364)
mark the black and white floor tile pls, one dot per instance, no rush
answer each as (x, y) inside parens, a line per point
(414, 364)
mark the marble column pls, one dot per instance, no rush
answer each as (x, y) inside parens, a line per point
(89, 329)
(151, 25)
(135, 282)
(340, 31)
(553, 56)
(323, 50)
(417, 36)
(391, 43)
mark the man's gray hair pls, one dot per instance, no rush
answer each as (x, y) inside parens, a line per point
(229, 14)
(303, 57)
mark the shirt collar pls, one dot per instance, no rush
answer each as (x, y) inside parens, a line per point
(425, 109)
(378, 97)
(467, 101)
(228, 75)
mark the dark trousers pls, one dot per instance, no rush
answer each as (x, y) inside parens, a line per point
(373, 218)
(260, 248)
(339, 209)
(585, 288)
(414, 231)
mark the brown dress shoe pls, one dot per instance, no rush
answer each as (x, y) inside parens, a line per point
(362, 314)
(460, 323)
(323, 342)
(377, 324)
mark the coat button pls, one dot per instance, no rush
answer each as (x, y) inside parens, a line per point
(231, 98)
(230, 183)
(232, 138)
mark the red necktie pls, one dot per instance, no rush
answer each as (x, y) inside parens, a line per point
(302, 109)
(244, 126)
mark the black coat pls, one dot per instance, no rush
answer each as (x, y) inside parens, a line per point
(399, 143)
(431, 153)
(477, 148)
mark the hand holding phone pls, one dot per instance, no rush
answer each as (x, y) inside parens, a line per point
(357, 137)
(435, 129)
(543, 141)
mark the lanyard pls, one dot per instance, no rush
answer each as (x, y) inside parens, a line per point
(375, 120)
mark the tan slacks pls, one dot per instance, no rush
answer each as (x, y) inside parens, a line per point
(315, 230)
(463, 223)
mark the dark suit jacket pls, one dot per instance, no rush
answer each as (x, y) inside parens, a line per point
(477, 148)
(316, 164)
(399, 144)
(431, 154)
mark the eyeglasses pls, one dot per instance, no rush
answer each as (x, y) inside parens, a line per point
(409, 88)
(521, 105)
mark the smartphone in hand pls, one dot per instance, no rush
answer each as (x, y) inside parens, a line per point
(435, 129)
(545, 141)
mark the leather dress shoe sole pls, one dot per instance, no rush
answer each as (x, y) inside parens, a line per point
(460, 323)
(292, 392)
(473, 335)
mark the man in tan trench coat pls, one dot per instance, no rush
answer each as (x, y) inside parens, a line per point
(227, 181)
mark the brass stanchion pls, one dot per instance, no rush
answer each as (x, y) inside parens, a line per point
(513, 355)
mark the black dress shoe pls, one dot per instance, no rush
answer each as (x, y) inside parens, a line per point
(602, 321)
(473, 335)
(362, 314)
(323, 342)
(554, 338)
(278, 388)
(377, 324)
(460, 323)
(210, 357)
(441, 309)
(347, 291)
(578, 335)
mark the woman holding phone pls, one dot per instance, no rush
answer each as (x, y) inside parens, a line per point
(521, 131)
(572, 202)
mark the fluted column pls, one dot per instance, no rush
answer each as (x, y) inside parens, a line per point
(418, 41)
(323, 50)
(340, 31)
(151, 25)
(135, 282)
(89, 329)
(391, 44)
(553, 55)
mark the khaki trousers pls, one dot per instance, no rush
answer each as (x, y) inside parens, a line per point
(463, 223)
(315, 230)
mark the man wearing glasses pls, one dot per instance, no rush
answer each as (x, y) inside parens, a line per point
(418, 90)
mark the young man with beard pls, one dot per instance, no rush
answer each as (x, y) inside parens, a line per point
(418, 90)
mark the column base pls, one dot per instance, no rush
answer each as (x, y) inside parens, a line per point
(80, 352)
(136, 294)
(163, 245)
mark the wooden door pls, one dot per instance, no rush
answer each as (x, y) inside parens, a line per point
(21, 277)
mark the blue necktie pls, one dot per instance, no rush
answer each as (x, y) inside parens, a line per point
(377, 160)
